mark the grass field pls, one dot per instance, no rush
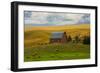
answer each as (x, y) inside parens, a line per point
(35, 51)
(57, 52)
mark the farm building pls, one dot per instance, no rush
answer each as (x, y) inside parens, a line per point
(58, 37)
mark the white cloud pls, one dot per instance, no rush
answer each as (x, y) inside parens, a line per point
(52, 18)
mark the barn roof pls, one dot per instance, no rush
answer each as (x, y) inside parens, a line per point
(56, 35)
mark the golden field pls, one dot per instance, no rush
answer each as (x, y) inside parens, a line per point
(41, 34)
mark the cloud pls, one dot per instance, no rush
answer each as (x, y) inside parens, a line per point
(52, 18)
(85, 19)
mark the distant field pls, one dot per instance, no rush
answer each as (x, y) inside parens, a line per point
(34, 51)
(63, 27)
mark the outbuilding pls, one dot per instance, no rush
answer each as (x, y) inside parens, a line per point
(58, 37)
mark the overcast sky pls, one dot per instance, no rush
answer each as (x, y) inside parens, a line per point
(53, 19)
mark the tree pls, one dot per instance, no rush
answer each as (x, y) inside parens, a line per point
(86, 40)
(69, 38)
(77, 39)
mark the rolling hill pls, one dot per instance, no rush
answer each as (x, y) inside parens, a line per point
(41, 34)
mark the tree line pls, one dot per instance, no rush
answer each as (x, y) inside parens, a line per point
(77, 39)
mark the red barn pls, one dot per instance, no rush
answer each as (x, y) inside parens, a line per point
(58, 37)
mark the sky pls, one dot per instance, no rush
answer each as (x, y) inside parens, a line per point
(55, 18)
